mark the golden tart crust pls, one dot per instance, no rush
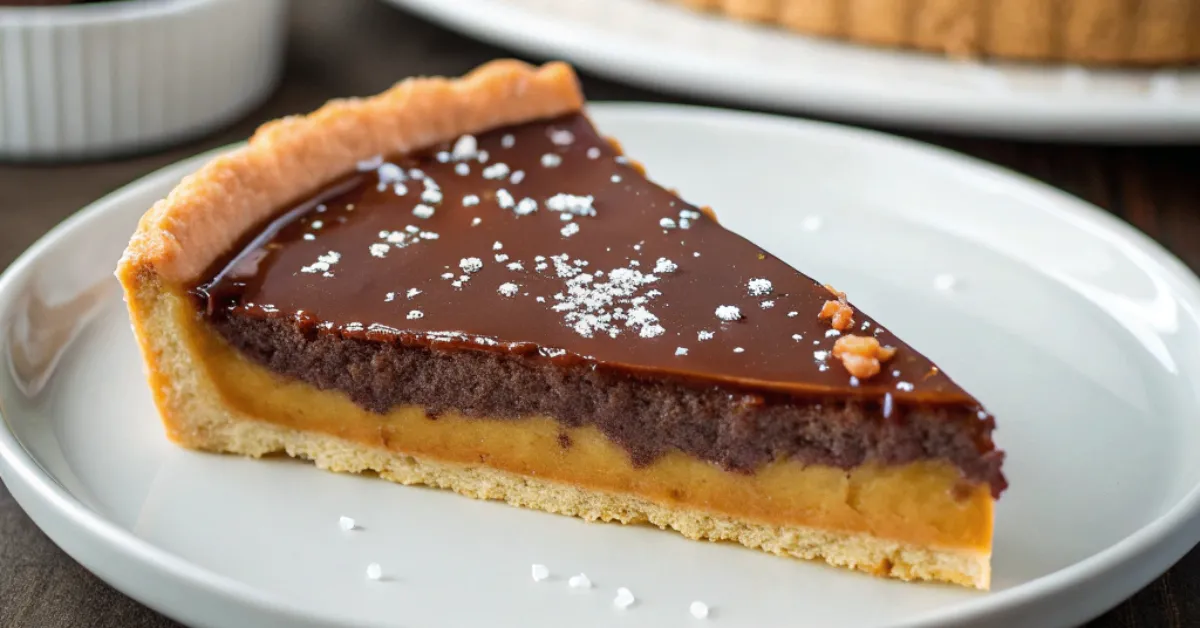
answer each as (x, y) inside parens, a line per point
(1090, 32)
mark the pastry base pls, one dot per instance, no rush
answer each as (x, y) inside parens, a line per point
(1089, 32)
(913, 522)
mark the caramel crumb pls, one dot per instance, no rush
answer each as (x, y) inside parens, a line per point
(862, 356)
(708, 211)
(840, 314)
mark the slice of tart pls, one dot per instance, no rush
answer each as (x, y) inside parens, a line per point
(460, 283)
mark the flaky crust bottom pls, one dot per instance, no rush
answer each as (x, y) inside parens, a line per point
(1091, 32)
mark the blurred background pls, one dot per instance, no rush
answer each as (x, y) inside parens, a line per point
(105, 92)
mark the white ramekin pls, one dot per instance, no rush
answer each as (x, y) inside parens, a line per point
(93, 80)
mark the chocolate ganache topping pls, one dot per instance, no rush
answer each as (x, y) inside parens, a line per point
(541, 241)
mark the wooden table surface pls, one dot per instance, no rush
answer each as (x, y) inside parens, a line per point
(358, 47)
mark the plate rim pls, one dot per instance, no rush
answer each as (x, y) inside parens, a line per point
(1089, 120)
(1152, 548)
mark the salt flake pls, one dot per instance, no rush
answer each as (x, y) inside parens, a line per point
(728, 313)
(759, 287)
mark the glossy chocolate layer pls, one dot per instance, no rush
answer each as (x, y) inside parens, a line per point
(541, 241)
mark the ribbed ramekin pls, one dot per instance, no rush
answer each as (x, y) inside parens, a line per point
(99, 79)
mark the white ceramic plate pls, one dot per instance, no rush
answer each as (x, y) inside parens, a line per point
(1079, 333)
(660, 46)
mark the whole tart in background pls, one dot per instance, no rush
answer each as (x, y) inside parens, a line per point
(1089, 32)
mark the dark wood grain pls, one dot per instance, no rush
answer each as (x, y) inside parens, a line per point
(358, 47)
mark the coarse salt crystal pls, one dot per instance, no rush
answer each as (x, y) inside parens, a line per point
(905, 386)
(374, 571)
(498, 170)
(415, 314)
(525, 207)
(572, 204)
(664, 265)
(704, 335)
(698, 609)
(793, 314)
(423, 211)
(738, 350)
(616, 178)
(470, 200)
(370, 164)
(470, 264)
(517, 177)
(728, 313)
(412, 292)
(580, 581)
(570, 230)
(681, 351)
(540, 572)
(465, 147)
(323, 264)
(508, 289)
(508, 140)
(505, 199)
(593, 152)
(551, 160)
(462, 168)
(624, 598)
(666, 223)
(346, 523)
(561, 137)
(759, 287)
